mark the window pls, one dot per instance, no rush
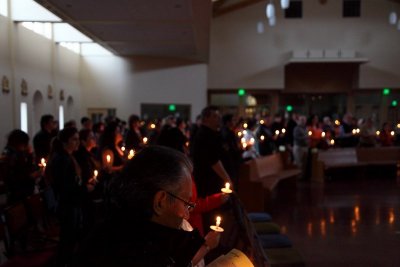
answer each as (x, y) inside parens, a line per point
(4, 8)
(42, 28)
(75, 47)
(351, 8)
(24, 117)
(295, 10)
(61, 117)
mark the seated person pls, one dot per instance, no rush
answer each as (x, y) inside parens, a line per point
(150, 201)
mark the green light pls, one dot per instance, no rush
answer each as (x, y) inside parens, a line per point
(289, 108)
(394, 103)
(386, 91)
(241, 92)
(172, 107)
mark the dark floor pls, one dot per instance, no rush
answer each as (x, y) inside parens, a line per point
(343, 222)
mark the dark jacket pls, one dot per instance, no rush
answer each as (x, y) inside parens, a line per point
(127, 242)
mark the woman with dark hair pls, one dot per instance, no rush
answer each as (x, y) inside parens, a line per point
(65, 179)
(111, 154)
(17, 167)
(150, 203)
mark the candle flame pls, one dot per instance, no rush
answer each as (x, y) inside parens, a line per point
(378, 133)
(262, 121)
(123, 149)
(262, 137)
(152, 126)
(145, 140)
(218, 222)
(323, 134)
(131, 154)
(277, 132)
(309, 133)
(332, 142)
(392, 133)
(43, 162)
(227, 186)
(245, 125)
(96, 172)
(108, 158)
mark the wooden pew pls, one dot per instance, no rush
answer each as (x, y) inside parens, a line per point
(258, 178)
(360, 158)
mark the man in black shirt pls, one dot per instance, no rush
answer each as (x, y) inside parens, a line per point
(209, 173)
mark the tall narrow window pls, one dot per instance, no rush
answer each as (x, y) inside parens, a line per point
(4, 8)
(24, 117)
(61, 117)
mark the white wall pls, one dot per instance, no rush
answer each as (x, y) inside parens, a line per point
(240, 57)
(40, 63)
(115, 82)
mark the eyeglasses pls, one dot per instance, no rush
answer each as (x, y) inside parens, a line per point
(189, 205)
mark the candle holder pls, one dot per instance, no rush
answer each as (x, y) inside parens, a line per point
(226, 189)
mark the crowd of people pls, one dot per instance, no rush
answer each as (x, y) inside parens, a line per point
(148, 183)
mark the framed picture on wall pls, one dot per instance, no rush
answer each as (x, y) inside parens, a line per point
(5, 84)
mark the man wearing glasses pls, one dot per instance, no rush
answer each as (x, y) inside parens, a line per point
(144, 227)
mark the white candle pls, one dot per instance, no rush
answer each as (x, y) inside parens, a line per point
(95, 173)
(42, 163)
(218, 221)
(217, 227)
(227, 189)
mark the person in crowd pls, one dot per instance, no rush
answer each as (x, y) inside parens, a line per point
(193, 130)
(98, 129)
(276, 127)
(290, 125)
(300, 141)
(315, 139)
(42, 140)
(17, 167)
(346, 136)
(385, 137)
(86, 123)
(168, 123)
(232, 154)
(134, 138)
(64, 176)
(88, 165)
(150, 203)
(112, 157)
(265, 137)
(70, 124)
(327, 128)
(367, 134)
(175, 137)
(209, 172)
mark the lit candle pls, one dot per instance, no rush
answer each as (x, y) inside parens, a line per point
(277, 132)
(243, 140)
(217, 227)
(378, 133)
(283, 130)
(323, 134)
(245, 125)
(244, 145)
(392, 133)
(187, 144)
(145, 140)
(337, 122)
(262, 121)
(226, 189)
(262, 137)
(131, 154)
(108, 158)
(252, 141)
(96, 172)
(358, 130)
(332, 142)
(152, 126)
(309, 133)
(123, 149)
(354, 131)
(398, 125)
(42, 163)
(239, 134)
